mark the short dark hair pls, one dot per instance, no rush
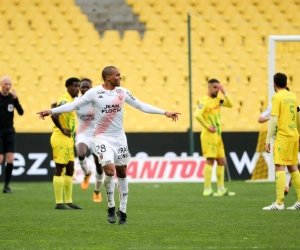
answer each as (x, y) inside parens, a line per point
(107, 71)
(71, 80)
(212, 81)
(280, 80)
(87, 80)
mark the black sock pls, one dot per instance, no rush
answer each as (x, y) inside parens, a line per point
(8, 171)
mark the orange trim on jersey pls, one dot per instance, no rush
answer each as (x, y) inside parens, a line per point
(106, 88)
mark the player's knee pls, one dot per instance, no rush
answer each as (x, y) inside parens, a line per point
(99, 170)
(81, 157)
(109, 172)
(58, 171)
(70, 171)
(121, 172)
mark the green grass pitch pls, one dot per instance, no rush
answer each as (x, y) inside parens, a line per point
(160, 216)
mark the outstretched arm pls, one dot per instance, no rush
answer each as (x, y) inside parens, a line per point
(265, 115)
(64, 108)
(144, 107)
(262, 119)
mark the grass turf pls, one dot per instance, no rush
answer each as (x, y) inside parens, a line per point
(160, 216)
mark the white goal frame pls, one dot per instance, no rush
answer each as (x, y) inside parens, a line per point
(271, 72)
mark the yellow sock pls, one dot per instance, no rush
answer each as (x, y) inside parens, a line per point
(220, 170)
(280, 185)
(207, 175)
(68, 188)
(58, 183)
(296, 182)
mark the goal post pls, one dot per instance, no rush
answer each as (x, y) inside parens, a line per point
(271, 71)
(272, 58)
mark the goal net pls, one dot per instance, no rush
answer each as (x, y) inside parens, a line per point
(284, 57)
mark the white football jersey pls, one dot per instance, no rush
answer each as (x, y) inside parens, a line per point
(108, 107)
(86, 119)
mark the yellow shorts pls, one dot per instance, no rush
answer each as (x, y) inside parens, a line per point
(62, 148)
(285, 152)
(212, 145)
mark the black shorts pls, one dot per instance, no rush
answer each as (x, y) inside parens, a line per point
(7, 140)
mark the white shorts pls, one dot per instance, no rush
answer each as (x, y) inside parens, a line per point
(112, 149)
(87, 140)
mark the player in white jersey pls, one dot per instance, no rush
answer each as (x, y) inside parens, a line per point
(264, 117)
(111, 144)
(84, 141)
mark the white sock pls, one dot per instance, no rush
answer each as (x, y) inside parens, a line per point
(109, 185)
(98, 182)
(83, 165)
(288, 177)
(123, 191)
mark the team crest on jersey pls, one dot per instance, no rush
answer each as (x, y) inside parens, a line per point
(10, 107)
(200, 106)
(101, 156)
(120, 94)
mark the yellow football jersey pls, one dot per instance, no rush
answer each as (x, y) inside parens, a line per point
(67, 120)
(284, 105)
(208, 112)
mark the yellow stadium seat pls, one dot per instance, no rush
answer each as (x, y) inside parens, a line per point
(137, 6)
(112, 36)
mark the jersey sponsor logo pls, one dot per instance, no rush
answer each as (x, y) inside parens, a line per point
(123, 153)
(289, 101)
(100, 92)
(87, 117)
(287, 160)
(107, 162)
(293, 126)
(111, 109)
(10, 108)
(101, 156)
(130, 95)
(214, 108)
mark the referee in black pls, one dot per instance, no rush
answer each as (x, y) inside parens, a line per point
(8, 102)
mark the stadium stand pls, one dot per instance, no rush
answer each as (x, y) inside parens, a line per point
(45, 42)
